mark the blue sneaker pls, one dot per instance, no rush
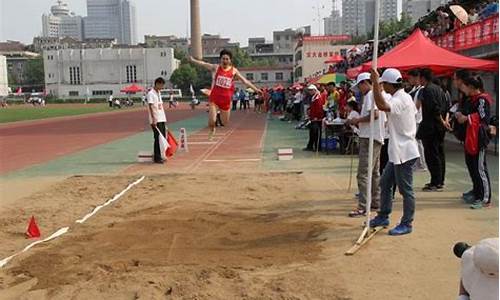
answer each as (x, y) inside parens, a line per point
(468, 194)
(401, 229)
(379, 221)
(469, 199)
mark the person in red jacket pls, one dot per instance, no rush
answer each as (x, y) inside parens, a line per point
(222, 87)
(316, 115)
(477, 135)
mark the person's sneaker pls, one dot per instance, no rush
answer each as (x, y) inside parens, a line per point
(211, 135)
(480, 204)
(468, 194)
(401, 229)
(432, 188)
(469, 199)
(379, 221)
(357, 213)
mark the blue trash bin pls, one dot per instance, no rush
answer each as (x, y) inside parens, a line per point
(332, 144)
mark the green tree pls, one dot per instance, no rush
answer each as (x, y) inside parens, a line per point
(184, 76)
(33, 72)
(394, 26)
(241, 58)
(12, 81)
(181, 55)
(361, 39)
(204, 78)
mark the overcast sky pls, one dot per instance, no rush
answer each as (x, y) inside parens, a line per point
(237, 19)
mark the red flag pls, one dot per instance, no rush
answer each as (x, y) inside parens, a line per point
(172, 143)
(33, 231)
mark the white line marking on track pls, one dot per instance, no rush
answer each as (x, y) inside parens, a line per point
(210, 150)
(202, 143)
(233, 160)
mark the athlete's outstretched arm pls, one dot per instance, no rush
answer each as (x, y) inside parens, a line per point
(203, 64)
(246, 81)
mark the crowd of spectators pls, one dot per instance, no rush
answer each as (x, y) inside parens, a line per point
(436, 23)
(443, 20)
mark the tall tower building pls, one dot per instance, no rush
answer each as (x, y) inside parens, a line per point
(358, 16)
(111, 19)
(355, 14)
(419, 8)
(390, 10)
(333, 23)
(61, 22)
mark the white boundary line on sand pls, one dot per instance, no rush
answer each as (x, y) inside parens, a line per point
(64, 230)
(116, 197)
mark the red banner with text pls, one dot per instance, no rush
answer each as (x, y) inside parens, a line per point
(478, 34)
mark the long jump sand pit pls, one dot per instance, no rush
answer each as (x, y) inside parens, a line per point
(201, 236)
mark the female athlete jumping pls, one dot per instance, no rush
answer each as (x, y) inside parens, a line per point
(222, 88)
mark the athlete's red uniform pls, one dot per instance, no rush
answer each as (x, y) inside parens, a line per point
(223, 88)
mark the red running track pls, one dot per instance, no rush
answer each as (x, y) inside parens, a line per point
(29, 143)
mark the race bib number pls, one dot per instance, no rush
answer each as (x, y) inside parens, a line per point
(223, 82)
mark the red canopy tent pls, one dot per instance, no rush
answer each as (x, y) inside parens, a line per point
(417, 51)
(352, 73)
(132, 89)
(334, 59)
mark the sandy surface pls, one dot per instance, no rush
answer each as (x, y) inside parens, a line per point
(229, 236)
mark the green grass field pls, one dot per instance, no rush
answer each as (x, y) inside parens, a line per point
(22, 113)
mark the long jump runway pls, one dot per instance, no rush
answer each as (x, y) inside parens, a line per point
(235, 148)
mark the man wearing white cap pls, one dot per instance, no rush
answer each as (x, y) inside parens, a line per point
(403, 150)
(479, 275)
(364, 85)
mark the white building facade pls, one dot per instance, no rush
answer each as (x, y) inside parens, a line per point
(111, 19)
(102, 72)
(266, 76)
(4, 84)
(61, 22)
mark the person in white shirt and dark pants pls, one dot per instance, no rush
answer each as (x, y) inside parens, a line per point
(364, 84)
(157, 117)
(403, 150)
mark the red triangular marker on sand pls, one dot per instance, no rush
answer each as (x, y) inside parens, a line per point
(33, 231)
